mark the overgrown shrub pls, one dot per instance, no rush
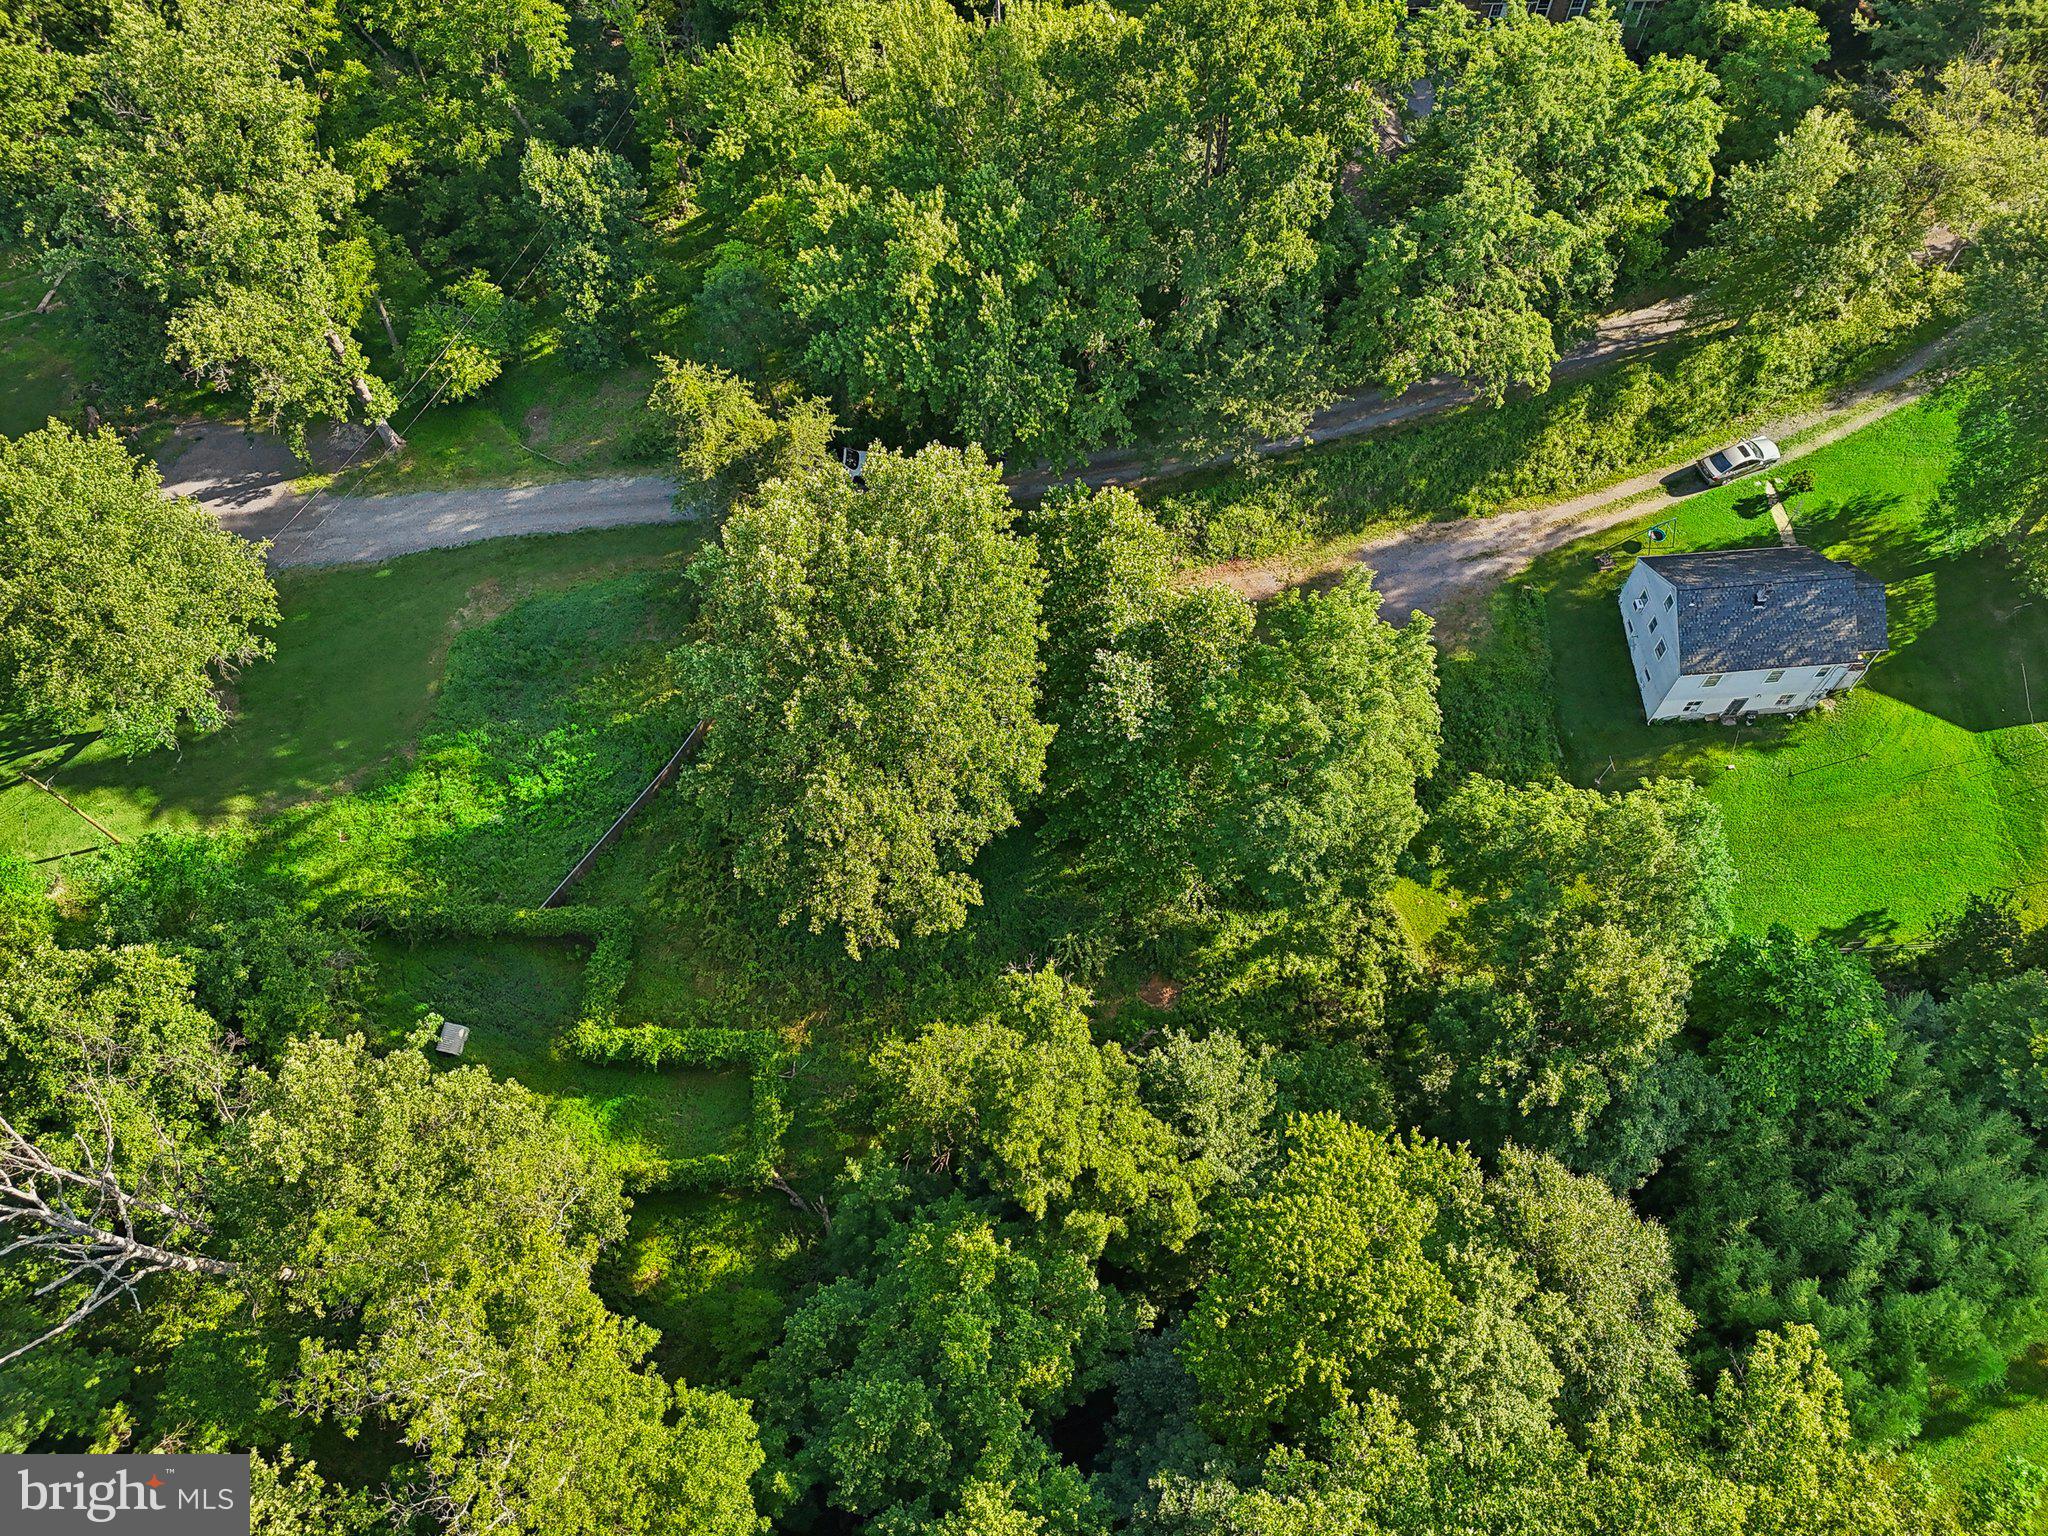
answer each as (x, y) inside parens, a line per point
(1499, 708)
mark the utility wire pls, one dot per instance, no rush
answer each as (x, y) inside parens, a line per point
(461, 329)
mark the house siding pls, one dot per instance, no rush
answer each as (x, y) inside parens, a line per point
(1669, 694)
(1648, 600)
(1780, 691)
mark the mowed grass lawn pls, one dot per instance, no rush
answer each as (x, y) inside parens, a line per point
(1929, 783)
(1971, 1440)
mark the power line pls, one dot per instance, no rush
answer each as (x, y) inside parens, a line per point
(461, 329)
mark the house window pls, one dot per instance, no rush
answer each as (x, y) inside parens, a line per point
(1540, 8)
(1653, 626)
(1636, 12)
(1692, 705)
(1660, 647)
(1495, 9)
(1646, 674)
(1711, 682)
(1775, 677)
(1642, 599)
(1578, 9)
(1631, 623)
(1784, 698)
(1667, 600)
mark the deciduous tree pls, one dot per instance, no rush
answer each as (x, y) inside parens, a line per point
(870, 658)
(119, 610)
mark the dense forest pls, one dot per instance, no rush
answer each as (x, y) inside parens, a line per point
(1137, 1160)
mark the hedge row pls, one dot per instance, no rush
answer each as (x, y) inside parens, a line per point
(598, 1037)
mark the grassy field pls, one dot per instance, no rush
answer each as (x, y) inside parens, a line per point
(1969, 1440)
(1926, 784)
(40, 367)
(540, 421)
(359, 665)
(517, 999)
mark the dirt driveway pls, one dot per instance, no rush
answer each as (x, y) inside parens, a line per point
(1434, 566)
(245, 479)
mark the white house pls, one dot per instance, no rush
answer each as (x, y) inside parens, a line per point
(1733, 632)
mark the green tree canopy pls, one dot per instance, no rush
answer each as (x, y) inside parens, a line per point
(1837, 220)
(1766, 57)
(1539, 168)
(1195, 758)
(870, 660)
(725, 438)
(1790, 1022)
(1997, 491)
(1360, 1268)
(197, 219)
(1584, 914)
(1909, 1228)
(1023, 1103)
(432, 1236)
(458, 342)
(119, 610)
(916, 1388)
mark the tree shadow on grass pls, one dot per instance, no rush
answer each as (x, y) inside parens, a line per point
(1968, 643)
(1870, 929)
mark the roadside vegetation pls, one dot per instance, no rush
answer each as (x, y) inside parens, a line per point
(1070, 1052)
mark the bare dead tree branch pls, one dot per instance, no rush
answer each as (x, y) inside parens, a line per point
(815, 1209)
(82, 1222)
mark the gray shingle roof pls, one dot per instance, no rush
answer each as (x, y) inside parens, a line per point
(1741, 610)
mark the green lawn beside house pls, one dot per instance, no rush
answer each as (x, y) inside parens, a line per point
(1930, 782)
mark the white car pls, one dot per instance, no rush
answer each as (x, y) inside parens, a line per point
(1743, 458)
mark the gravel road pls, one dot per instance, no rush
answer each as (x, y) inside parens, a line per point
(352, 530)
(246, 481)
(1433, 566)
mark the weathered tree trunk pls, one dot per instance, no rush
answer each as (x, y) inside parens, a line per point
(81, 1221)
(385, 433)
(390, 331)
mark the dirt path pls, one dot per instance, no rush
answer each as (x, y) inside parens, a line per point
(1613, 338)
(1432, 566)
(246, 481)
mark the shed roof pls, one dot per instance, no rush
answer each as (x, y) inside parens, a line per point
(1742, 610)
